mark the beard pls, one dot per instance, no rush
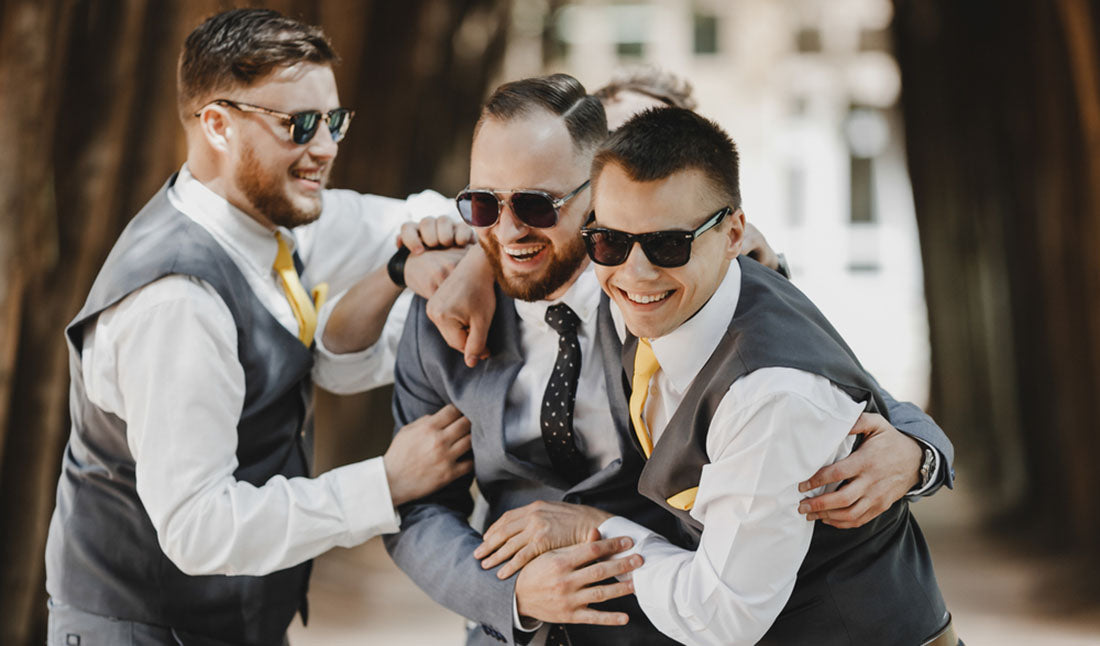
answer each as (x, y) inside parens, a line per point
(563, 264)
(267, 191)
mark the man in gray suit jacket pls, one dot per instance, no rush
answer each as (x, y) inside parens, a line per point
(533, 438)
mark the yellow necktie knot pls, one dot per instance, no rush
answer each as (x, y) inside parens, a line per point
(645, 366)
(300, 303)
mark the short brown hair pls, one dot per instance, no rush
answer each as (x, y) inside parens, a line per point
(652, 81)
(559, 94)
(240, 47)
(659, 142)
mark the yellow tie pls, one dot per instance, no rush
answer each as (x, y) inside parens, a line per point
(645, 366)
(299, 302)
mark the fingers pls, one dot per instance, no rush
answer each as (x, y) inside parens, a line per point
(836, 472)
(584, 553)
(428, 229)
(475, 347)
(464, 235)
(456, 430)
(460, 448)
(857, 515)
(608, 569)
(601, 593)
(522, 558)
(598, 617)
(503, 552)
(839, 499)
(445, 416)
(410, 237)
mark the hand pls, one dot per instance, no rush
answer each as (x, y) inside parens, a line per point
(462, 308)
(882, 470)
(425, 272)
(434, 232)
(425, 455)
(559, 585)
(524, 533)
(757, 248)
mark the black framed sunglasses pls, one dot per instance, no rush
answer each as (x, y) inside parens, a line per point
(481, 207)
(303, 125)
(672, 248)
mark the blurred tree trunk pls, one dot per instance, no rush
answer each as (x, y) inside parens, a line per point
(87, 90)
(1002, 112)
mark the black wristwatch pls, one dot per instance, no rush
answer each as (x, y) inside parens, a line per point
(396, 266)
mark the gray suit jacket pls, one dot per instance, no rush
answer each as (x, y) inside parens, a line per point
(436, 542)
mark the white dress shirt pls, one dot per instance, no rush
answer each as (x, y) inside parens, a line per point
(774, 428)
(164, 360)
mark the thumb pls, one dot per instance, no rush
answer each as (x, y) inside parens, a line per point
(475, 342)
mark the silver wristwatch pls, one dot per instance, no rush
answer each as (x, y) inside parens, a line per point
(926, 466)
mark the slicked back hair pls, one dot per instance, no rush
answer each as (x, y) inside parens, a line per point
(651, 81)
(559, 94)
(657, 143)
(240, 47)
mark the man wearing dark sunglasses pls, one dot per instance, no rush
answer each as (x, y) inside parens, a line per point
(186, 513)
(740, 388)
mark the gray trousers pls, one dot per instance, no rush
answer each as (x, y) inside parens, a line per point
(69, 626)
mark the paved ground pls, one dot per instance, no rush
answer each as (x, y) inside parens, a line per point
(359, 597)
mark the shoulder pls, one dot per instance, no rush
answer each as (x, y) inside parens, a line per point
(789, 391)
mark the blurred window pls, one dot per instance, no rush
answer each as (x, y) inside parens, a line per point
(874, 40)
(809, 40)
(706, 33)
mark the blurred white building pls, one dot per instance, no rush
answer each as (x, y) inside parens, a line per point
(808, 90)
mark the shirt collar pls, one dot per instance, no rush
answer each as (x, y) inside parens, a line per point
(683, 352)
(232, 227)
(583, 297)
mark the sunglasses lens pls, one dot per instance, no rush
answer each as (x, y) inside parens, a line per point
(607, 247)
(668, 249)
(534, 210)
(305, 125)
(338, 122)
(478, 208)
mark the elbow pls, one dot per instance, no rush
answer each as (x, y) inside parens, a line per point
(192, 546)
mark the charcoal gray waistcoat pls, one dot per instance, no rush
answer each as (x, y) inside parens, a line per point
(871, 585)
(102, 554)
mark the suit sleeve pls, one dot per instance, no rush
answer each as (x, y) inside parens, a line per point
(436, 543)
(914, 422)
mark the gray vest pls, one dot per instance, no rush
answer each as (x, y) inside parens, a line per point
(871, 585)
(102, 554)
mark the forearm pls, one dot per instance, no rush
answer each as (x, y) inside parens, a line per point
(235, 528)
(356, 322)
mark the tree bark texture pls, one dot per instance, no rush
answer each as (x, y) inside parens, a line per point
(1002, 113)
(90, 133)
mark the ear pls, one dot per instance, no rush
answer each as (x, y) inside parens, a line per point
(735, 233)
(217, 127)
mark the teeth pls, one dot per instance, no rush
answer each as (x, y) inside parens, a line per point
(522, 254)
(313, 176)
(642, 299)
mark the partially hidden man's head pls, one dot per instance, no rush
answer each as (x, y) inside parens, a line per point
(634, 89)
(528, 194)
(257, 97)
(666, 170)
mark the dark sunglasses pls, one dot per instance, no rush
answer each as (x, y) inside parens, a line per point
(482, 207)
(663, 248)
(303, 125)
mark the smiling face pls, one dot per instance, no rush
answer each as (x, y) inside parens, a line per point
(273, 179)
(656, 300)
(531, 151)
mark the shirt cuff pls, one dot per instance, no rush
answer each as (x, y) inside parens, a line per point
(364, 495)
(528, 626)
(919, 490)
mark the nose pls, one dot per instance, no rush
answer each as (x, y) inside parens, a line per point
(637, 265)
(509, 228)
(322, 147)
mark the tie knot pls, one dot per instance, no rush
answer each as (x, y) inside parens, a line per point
(563, 319)
(645, 361)
(283, 259)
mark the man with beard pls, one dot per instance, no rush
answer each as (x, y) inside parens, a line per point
(185, 511)
(537, 444)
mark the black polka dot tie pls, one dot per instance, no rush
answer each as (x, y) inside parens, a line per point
(557, 636)
(561, 392)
